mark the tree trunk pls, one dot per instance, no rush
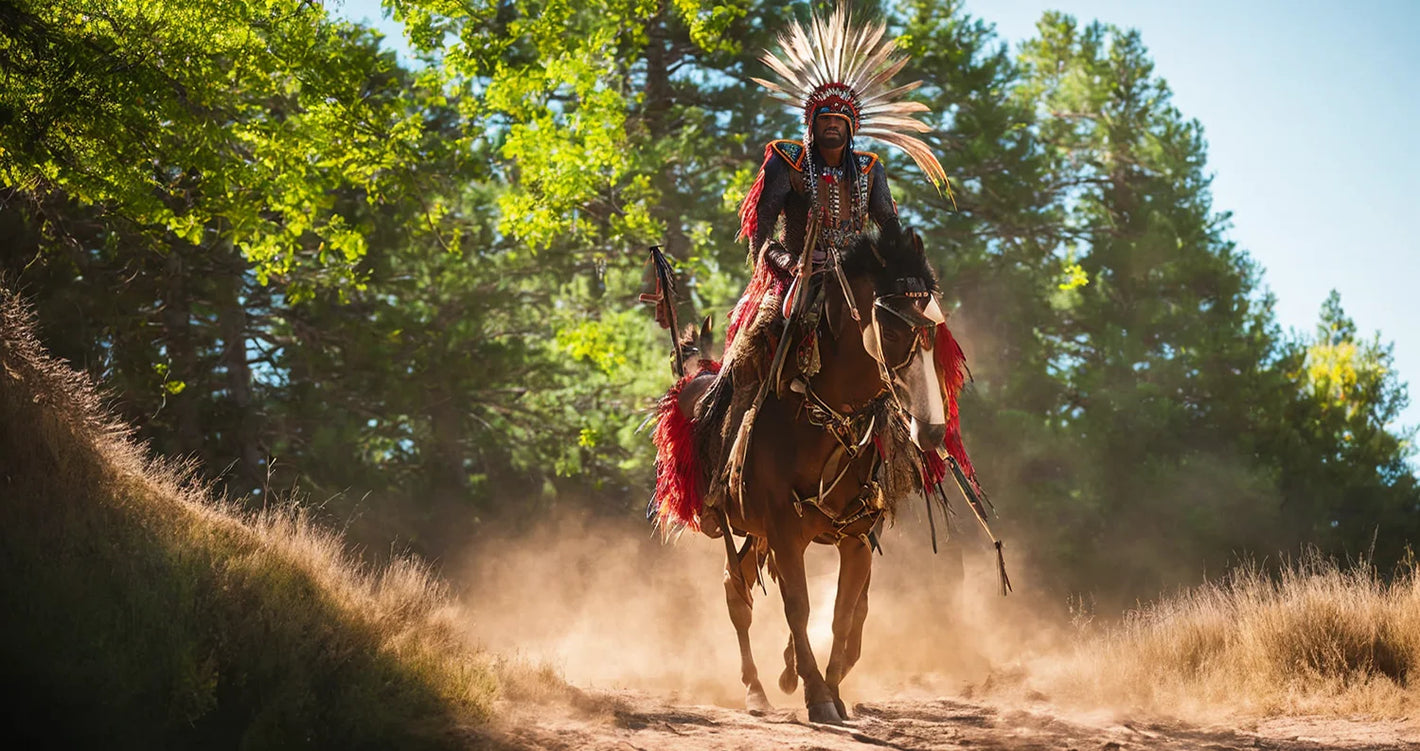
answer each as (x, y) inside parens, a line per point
(447, 478)
(182, 356)
(248, 474)
(659, 96)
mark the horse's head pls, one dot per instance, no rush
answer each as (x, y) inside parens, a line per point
(695, 346)
(896, 294)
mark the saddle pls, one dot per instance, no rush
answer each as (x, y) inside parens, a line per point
(805, 361)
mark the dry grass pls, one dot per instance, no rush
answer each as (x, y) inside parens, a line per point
(140, 612)
(1316, 638)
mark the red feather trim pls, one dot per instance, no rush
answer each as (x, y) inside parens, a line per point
(749, 208)
(677, 501)
(934, 469)
(744, 311)
(951, 369)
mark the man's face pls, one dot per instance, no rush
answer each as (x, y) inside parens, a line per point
(830, 131)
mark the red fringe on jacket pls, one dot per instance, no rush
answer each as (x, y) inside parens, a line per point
(749, 214)
(677, 501)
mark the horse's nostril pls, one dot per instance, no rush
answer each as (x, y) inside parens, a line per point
(928, 436)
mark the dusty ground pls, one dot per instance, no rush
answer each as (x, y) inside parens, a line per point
(641, 629)
(627, 721)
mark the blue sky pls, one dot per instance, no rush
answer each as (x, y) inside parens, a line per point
(1309, 109)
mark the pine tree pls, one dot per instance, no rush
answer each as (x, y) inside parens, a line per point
(1347, 483)
(1166, 338)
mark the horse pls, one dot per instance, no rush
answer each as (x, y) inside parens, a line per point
(821, 450)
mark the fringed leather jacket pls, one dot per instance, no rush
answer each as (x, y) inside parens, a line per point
(791, 184)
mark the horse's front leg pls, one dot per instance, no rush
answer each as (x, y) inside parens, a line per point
(794, 587)
(739, 596)
(850, 610)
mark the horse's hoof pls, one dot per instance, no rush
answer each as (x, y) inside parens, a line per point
(825, 713)
(757, 703)
(788, 680)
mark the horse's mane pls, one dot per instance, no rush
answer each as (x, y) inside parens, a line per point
(898, 257)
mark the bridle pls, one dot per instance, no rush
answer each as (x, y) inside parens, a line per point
(857, 429)
(919, 329)
(921, 323)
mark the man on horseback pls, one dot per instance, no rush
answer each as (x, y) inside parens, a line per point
(838, 78)
(820, 176)
(824, 192)
(838, 344)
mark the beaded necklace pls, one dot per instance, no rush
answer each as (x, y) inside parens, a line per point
(836, 229)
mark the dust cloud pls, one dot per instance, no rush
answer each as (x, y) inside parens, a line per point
(607, 604)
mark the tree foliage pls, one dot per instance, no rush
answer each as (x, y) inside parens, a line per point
(186, 117)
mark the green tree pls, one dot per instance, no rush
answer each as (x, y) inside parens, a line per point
(1347, 481)
(1167, 340)
(176, 172)
(994, 242)
(635, 129)
(236, 117)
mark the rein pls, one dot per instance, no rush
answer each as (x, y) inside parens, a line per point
(853, 432)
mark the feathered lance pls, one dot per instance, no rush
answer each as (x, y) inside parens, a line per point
(664, 300)
(931, 522)
(974, 500)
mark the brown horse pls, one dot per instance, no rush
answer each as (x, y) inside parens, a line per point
(815, 463)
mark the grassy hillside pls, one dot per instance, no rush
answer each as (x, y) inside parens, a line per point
(139, 612)
(1313, 638)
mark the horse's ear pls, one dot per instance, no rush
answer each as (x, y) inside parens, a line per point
(916, 240)
(707, 333)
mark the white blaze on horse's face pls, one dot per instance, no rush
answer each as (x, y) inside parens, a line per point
(912, 380)
(922, 396)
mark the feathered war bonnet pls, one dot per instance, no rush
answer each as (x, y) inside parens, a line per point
(839, 68)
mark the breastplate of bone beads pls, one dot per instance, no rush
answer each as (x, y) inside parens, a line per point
(837, 225)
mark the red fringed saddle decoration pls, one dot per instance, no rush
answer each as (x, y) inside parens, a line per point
(677, 501)
(748, 306)
(952, 372)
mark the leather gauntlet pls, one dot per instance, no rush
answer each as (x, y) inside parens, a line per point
(782, 258)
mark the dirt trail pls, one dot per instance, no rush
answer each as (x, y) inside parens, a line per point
(641, 628)
(625, 720)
